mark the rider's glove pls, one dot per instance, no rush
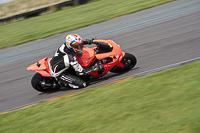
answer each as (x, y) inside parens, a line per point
(89, 41)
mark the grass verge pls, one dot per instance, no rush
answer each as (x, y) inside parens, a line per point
(166, 102)
(68, 19)
(21, 6)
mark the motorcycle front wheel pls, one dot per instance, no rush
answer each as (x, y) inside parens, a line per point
(129, 62)
(44, 84)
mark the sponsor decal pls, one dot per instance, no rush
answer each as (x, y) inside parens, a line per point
(110, 45)
(117, 57)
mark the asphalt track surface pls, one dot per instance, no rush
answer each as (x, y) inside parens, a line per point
(158, 37)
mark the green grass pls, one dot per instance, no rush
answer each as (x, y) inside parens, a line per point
(68, 19)
(164, 102)
(21, 6)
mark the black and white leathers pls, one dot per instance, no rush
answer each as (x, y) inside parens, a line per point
(62, 60)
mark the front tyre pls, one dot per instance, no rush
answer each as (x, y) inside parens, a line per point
(39, 83)
(129, 62)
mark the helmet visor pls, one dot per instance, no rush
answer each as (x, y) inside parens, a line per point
(78, 47)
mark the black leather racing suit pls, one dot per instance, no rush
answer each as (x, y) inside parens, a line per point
(64, 58)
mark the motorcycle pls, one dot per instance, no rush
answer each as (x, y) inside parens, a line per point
(115, 61)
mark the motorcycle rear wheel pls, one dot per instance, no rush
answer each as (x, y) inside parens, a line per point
(37, 79)
(129, 62)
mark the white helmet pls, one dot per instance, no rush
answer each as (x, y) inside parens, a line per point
(74, 41)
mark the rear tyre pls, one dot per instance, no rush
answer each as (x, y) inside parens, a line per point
(129, 62)
(36, 83)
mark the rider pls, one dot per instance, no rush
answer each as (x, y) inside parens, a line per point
(65, 58)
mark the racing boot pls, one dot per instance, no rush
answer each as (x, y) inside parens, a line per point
(70, 80)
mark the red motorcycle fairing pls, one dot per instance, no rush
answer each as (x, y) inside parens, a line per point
(115, 55)
(88, 55)
(41, 67)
